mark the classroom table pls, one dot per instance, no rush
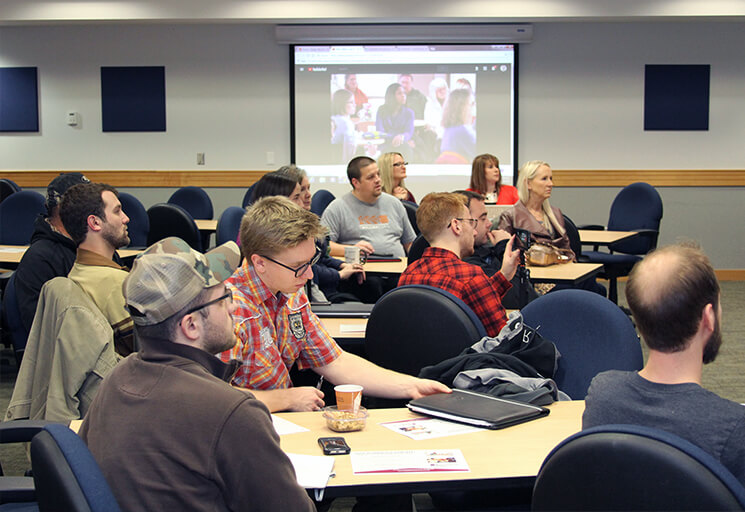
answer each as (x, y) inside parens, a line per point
(11, 255)
(564, 272)
(593, 237)
(495, 457)
(386, 267)
(206, 225)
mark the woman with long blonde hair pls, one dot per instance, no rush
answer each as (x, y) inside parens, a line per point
(392, 172)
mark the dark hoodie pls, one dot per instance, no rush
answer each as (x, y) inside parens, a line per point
(50, 255)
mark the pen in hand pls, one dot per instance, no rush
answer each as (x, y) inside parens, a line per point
(320, 381)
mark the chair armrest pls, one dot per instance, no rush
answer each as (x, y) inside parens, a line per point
(592, 227)
(21, 431)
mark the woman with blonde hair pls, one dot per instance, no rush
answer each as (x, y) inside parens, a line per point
(392, 172)
(486, 179)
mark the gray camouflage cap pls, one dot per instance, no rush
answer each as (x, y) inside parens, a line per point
(170, 274)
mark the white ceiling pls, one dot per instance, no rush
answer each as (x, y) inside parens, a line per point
(376, 11)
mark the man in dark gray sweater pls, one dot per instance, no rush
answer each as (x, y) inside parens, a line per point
(167, 429)
(674, 297)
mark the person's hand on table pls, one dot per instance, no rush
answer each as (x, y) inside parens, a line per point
(350, 269)
(424, 387)
(305, 398)
(365, 246)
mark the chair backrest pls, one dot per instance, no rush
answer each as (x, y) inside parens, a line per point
(574, 242)
(411, 209)
(7, 187)
(18, 490)
(229, 224)
(628, 467)
(591, 333)
(139, 224)
(12, 319)
(172, 220)
(320, 200)
(247, 196)
(17, 215)
(637, 206)
(66, 475)
(414, 326)
(417, 249)
(194, 200)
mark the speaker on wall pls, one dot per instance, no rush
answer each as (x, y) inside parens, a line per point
(676, 97)
(19, 99)
(133, 98)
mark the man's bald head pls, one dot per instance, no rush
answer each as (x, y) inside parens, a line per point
(667, 292)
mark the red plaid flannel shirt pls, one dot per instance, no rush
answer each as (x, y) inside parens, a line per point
(443, 269)
(273, 332)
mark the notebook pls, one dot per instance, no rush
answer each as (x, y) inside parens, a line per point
(476, 409)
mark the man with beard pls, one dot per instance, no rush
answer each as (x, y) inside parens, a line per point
(167, 429)
(93, 216)
(447, 224)
(673, 294)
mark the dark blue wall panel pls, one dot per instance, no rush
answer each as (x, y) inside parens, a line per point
(133, 99)
(676, 97)
(19, 100)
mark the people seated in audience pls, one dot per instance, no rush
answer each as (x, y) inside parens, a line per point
(52, 251)
(674, 297)
(166, 428)
(277, 184)
(368, 219)
(446, 223)
(392, 172)
(329, 271)
(486, 179)
(534, 213)
(275, 326)
(93, 216)
(488, 249)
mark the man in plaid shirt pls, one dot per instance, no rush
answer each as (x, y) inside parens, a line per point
(446, 223)
(275, 326)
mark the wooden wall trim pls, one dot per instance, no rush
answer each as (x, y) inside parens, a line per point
(244, 178)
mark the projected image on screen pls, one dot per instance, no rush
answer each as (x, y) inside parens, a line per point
(427, 117)
(419, 101)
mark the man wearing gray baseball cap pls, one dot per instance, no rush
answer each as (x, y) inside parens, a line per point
(167, 429)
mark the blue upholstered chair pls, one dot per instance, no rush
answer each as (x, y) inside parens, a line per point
(8, 187)
(66, 475)
(172, 220)
(194, 200)
(139, 224)
(17, 215)
(637, 207)
(17, 493)
(414, 326)
(320, 200)
(628, 467)
(591, 333)
(229, 224)
(417, 248)
(247, 196)
(411, 209)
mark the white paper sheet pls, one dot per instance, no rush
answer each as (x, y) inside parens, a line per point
(408, 461)
(283, 426)
(429, 428)
(312, 471)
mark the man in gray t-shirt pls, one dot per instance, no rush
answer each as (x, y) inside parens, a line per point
(366, 217)
(371, 220)
(674, 297)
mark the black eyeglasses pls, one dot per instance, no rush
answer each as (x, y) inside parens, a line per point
(302, 268)
(472, 222)
(399, 164)
(229, 295)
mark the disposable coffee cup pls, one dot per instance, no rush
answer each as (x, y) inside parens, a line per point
(348, 397)
(352, 255)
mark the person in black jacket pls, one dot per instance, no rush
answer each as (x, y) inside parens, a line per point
(52, 251)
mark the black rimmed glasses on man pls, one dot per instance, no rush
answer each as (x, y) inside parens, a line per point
(228, 294)
(299, 271)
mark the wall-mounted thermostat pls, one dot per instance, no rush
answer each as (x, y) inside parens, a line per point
(73, 118)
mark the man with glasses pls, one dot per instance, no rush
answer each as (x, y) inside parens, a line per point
(167, 429)
(275, 326)
(447, 224)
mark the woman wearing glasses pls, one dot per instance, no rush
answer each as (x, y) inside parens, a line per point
(392, 172)
(486, 179)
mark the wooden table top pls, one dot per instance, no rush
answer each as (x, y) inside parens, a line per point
(591, 237)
